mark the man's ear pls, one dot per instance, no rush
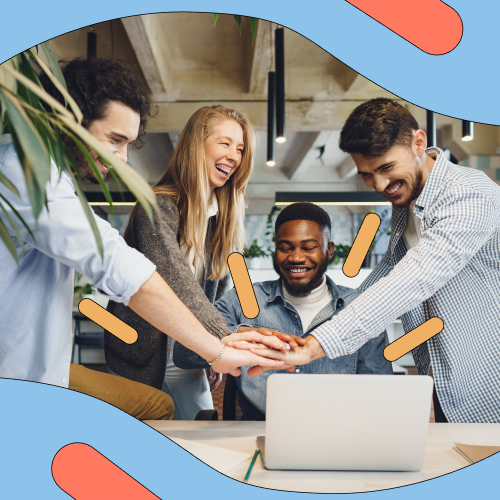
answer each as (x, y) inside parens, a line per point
(331, 248)
(419, 142)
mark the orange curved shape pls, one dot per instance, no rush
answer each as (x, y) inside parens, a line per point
(107, 321)
(361, 245)
(413, 339)
(85, 474)
(430, 25)
(243, 285)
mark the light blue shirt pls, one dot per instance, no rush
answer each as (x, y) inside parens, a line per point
(36, 298)
(453, 273)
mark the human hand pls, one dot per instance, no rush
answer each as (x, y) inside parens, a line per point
(244, 339)
(214, 379)
(232, 359)
(299, 356)
(292, 340)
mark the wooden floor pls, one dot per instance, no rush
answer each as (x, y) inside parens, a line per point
(218, 394)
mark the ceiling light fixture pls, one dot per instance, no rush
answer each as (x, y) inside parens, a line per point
(343, 198)
(271, 102)
(467, 130)
(91, 43)
(279, 41)
(431, 129)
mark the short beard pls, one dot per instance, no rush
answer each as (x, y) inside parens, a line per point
(83, 166)
(415, 193)
(298, 290)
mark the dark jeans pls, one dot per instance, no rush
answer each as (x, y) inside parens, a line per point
(438, 411)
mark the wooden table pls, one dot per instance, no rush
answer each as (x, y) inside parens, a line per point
(440, 456)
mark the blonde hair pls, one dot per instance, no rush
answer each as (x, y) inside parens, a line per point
(186, 181)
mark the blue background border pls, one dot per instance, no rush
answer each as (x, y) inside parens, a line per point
(37, 420)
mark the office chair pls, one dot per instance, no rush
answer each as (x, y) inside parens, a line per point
(230, 407)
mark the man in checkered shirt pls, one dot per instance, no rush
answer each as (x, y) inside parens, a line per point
(443, 260)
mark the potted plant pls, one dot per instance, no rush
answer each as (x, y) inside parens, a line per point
(340, 254)
(86, 291)
(252, 254)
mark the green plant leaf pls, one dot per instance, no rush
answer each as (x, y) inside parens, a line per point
(6, 79)
(238, 20)
(96, 171)
(253, 27)
(54, 65)
(215, 17)
(14, 227)
(135, 183)
(4, 180)
(30, 148)
(9, 243)
(18, 215)
(88, 213)
(40, 92)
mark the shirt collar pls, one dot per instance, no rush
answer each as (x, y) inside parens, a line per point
(436, 175)
(275, 289)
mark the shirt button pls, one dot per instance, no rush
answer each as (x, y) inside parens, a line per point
(297, 371)
(64, 380)
(296, 315)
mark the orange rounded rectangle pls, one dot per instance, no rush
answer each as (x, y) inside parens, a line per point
(84, 473)
(107, 321)
(243, 285)
(361, 245)
(413, 339)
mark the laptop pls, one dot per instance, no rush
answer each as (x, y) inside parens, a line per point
(346, 422)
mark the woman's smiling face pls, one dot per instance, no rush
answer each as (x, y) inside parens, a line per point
(223, 151)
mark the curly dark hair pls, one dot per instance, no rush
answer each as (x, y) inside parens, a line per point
(304, 210)
(95, 82)
(376, 126)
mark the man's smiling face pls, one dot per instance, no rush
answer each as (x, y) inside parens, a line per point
(400, 174)
(302, 255)
(115, 131)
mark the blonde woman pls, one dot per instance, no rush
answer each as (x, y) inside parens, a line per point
(201, 200)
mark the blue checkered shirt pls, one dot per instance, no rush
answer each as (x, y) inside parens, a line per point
(453, 273)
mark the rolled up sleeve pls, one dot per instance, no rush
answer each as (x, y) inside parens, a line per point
(63, 232)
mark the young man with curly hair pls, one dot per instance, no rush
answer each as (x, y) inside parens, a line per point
(36, 296)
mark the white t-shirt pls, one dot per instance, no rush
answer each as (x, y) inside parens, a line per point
(308, 307)
(411, 236)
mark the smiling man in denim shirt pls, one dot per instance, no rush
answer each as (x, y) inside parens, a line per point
(303, 298)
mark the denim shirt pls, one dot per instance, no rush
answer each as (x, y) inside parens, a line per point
(278, 314)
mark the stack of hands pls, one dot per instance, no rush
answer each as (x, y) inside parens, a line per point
(264, 349)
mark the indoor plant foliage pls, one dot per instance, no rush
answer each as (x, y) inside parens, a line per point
(340, 254)
(37, 132)
(83, 290)
(252, 253)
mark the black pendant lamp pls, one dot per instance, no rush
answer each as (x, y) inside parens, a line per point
(91, 44)
(271, 103)
(279, 40)
(467, 130)
(431, 129)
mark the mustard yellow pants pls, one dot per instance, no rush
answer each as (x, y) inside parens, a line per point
(139, 400)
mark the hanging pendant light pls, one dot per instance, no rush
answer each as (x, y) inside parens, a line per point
(271, 98)
(467, 130)
(279, 40)
(431, 129)
(91, 43)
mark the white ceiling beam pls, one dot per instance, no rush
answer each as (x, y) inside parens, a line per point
(347, 168)
(305, 153)
(139, 39)
(261, 60)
